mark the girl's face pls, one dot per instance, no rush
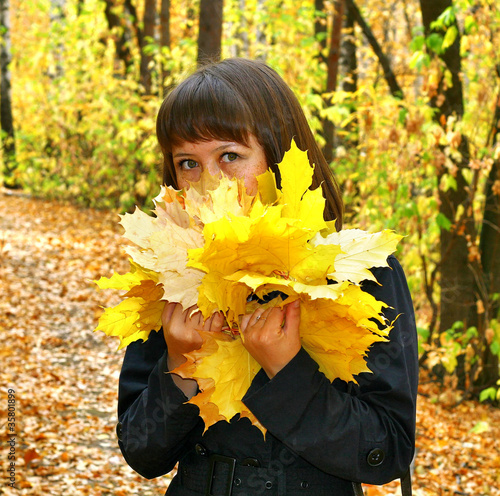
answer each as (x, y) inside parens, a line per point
(235, 160)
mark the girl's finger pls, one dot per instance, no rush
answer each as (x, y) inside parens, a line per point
(168, 311)
(292, 315)
(214, 323)
(275, 317)
(258, 315)
(245, 319)
(217, 322)
(188, 314)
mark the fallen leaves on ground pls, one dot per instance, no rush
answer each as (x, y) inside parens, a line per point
(65, 376)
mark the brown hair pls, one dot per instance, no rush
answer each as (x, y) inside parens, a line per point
(227, 100)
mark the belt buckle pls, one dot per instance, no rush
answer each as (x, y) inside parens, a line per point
(231, 462)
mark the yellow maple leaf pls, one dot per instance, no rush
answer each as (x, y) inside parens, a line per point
(162, 243)
(360, 251)
(338, 337)
(224, 371)
(128, 280)
(132, 319)
(140, 312)
(215, 245)
(298, 200)
(269, 194)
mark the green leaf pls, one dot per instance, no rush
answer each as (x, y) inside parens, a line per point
(420, 60)
(321, 36)
(402, 116)
(481, 426)
(470, 24)
(448, 182)
(435, 42)
(437, 24)
(490, 393)
(487, 394)
(495, 348)
(443, 222)
(423, 332)
(471, 332)
(448, 16)
(423, 335)
(417, 44)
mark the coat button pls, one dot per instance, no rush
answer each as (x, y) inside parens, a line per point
(200, 449)
(304, 484)
(119, 430)
(375, 457)
(250, 462)
(269, 485)
(237, 482)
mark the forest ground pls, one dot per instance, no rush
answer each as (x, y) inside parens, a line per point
(65, 376)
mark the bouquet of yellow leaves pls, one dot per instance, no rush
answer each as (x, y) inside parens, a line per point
(214, 246)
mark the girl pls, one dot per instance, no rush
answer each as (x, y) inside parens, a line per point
(238, 117)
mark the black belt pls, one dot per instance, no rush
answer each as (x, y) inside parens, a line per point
(217, 475)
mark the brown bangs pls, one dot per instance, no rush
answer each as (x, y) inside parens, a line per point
(203, 108)
(231, 99)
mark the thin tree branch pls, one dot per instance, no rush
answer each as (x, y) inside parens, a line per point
(394, 87)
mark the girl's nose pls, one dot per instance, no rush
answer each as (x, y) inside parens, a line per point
(213, 168)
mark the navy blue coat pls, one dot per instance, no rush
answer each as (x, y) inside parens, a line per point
(321, 435)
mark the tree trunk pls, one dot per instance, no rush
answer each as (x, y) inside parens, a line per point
(240, 45)
(348, 60)
(457, 277)
(7, 122)
(320, 28)
(349, 69)
(57, 17)
(122, 34)
(79, 7)
(460, 270)
(190, 20)
(384, 61)
(490, 232)
(332, 74)
(164, 38)
(261, 37)
(132, 17)
(149, 25)
(490, 256)
(210, 31)
(334, 49)
(165, 23)
(489, 246)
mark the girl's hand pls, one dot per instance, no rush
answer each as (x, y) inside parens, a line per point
(272, 344)
(182, 336)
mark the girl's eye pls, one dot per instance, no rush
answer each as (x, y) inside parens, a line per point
(188, 164)
(229, 157)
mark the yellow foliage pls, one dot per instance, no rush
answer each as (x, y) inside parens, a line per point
(215, 245)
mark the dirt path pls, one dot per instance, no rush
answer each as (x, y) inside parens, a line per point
(65, 376)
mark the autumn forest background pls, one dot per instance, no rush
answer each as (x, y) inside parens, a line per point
(404, 98)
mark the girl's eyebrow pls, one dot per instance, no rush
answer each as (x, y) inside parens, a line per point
(216, 150)
(182, 154)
